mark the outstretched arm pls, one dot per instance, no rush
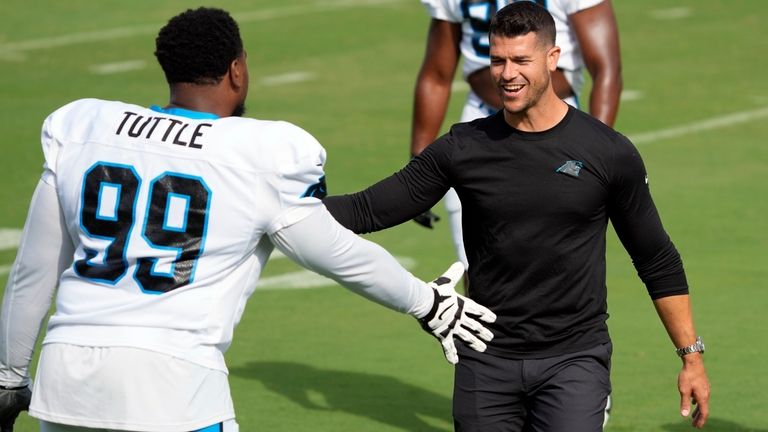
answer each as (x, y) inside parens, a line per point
(692, 382)
(320, 244)
(598, 36)
(433, 85)
(397, 198)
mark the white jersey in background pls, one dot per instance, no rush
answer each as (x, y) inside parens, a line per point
(475, 17)
(161, 222)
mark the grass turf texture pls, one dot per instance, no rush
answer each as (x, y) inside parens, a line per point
(325, 360)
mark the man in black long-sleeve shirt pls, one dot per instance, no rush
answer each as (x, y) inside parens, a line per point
(538, 182)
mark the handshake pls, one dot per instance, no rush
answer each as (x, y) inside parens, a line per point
(453, 314)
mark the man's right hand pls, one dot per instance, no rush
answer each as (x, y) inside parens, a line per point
(693, 384)
(13, 401)
(427, 219)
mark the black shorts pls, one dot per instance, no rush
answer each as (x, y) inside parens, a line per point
(563, 393)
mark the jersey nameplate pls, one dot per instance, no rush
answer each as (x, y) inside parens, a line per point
(162, 128)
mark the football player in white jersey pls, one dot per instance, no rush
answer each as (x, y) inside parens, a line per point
(154, 224)
(586, 34)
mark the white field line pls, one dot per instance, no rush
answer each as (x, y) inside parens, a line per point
(78, 38)
(118, 67)
(268, 81)
(9, 238)
(12, 49)
(295, 280)
(306, 279)
(286, 78)
(631, 95)
(699, 126)
(324, 6)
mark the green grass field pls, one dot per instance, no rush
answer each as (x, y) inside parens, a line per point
(322, 359)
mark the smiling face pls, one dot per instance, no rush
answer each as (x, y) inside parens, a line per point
(521, 68)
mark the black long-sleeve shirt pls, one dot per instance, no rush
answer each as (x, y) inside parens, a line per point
(535, 210)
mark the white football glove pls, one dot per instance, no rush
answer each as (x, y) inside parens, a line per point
(453, 314)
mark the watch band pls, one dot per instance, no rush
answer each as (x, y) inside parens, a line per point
(697, 346)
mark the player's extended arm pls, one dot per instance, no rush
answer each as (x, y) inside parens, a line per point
(692, 382)
(320, 244)
(433, 84)
(394, 200)
(44, 252)
(598, 36)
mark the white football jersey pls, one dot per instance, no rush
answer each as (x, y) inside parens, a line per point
(168, 212)
(475, 17)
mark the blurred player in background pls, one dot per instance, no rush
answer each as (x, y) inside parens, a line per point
(155, 224)
(586, 34)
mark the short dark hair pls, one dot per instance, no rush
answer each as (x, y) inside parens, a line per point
(523, 17)
(198, 45)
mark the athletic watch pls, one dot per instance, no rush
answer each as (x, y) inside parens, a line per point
(697, 346)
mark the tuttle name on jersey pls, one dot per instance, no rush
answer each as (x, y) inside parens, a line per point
(162, 128)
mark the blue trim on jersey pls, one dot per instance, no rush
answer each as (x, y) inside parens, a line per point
(186, 199)
(480, 11)
(487, 109)
(102, 186)
(318, 190)
(181, 112)
(218, 427)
